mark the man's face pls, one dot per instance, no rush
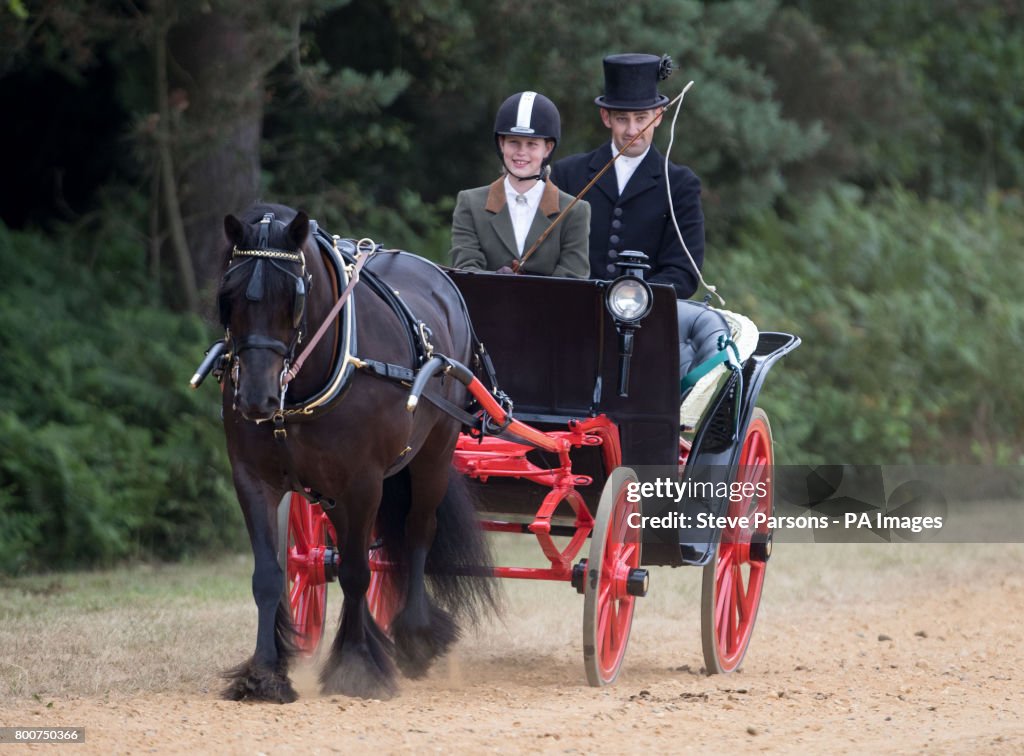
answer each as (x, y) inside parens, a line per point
(626, 124)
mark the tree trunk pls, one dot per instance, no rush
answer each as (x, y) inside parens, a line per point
(221, 99)
(166, 187)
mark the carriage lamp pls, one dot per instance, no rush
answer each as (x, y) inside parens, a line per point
(629, 300)
(632, 262)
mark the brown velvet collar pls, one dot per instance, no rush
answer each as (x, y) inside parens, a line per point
(496, 198)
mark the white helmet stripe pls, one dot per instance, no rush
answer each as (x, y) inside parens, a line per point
(525, 113)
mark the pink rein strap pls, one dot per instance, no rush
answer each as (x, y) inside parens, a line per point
(289, 376)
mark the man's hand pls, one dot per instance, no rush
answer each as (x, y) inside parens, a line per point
(505, 269)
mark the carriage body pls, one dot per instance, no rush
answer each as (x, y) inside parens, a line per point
(556, 352)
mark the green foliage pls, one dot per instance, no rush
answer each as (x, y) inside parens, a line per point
(105, 453)
(912, 326)
(375, 119)
(17, 9)
(956, 128)
(865, 103)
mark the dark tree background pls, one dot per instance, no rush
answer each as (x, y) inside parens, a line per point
(862, 166)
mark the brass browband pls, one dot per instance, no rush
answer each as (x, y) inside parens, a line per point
(278, 254)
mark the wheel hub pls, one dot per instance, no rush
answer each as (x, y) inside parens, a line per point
(761, 549)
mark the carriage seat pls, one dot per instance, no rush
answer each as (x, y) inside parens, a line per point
(700, 327)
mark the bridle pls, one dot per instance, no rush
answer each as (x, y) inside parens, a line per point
(258, 259)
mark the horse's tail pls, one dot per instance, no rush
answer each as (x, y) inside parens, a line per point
(459, 563)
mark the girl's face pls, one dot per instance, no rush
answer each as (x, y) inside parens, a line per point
(524, 156)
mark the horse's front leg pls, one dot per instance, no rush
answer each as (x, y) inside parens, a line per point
(264, 677)
(360, 660)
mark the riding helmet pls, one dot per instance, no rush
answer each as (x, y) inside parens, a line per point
(528, 114)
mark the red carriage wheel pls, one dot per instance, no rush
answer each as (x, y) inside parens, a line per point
(733, 580)
(608, 605)
(304, 544)
(381, 596)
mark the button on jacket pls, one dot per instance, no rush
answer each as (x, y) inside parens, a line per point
(483, 237)
(639, 219)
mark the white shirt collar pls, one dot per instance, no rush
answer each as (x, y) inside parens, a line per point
(532, 195)
(625, 166)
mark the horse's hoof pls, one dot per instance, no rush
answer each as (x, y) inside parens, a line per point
(360, 675)
(416, 648)
(254, 682)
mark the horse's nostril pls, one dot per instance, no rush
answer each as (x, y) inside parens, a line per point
(260, 409)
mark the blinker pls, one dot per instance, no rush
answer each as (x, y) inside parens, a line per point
(254, 292)
(300, 301)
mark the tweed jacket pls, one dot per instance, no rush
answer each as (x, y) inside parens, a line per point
(639, 218)
(483, 238)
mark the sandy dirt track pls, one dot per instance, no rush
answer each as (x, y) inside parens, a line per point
(897, 649)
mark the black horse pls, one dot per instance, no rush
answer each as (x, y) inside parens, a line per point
(375, 464)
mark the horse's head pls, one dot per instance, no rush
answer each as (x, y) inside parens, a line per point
(262, 302)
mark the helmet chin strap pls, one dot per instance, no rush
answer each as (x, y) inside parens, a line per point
(510, 172)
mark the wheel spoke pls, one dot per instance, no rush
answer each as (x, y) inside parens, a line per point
(300, 608)
(315, 617)
(628, 555)
(300, 528)
(603, 625)
(611, 558)
(613, 621)
(723, 597)
(292, 563)
(725, 557)
(741, 599)
(733, 615)
(754, 582)
(722, 626)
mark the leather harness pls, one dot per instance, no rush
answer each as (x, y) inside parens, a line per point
(341, 253)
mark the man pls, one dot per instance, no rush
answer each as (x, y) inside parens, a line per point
(629, 209)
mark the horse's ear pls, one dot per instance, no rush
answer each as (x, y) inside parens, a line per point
(234, 229)
(298, 229)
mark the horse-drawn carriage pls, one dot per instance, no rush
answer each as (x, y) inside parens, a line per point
(567, 400)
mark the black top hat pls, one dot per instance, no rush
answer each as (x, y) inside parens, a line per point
(631, 81)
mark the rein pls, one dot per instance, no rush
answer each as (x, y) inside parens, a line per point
(362, 256)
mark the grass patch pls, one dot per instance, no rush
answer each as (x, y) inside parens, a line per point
(125, 631)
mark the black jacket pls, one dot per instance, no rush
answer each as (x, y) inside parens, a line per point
(639, 219)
